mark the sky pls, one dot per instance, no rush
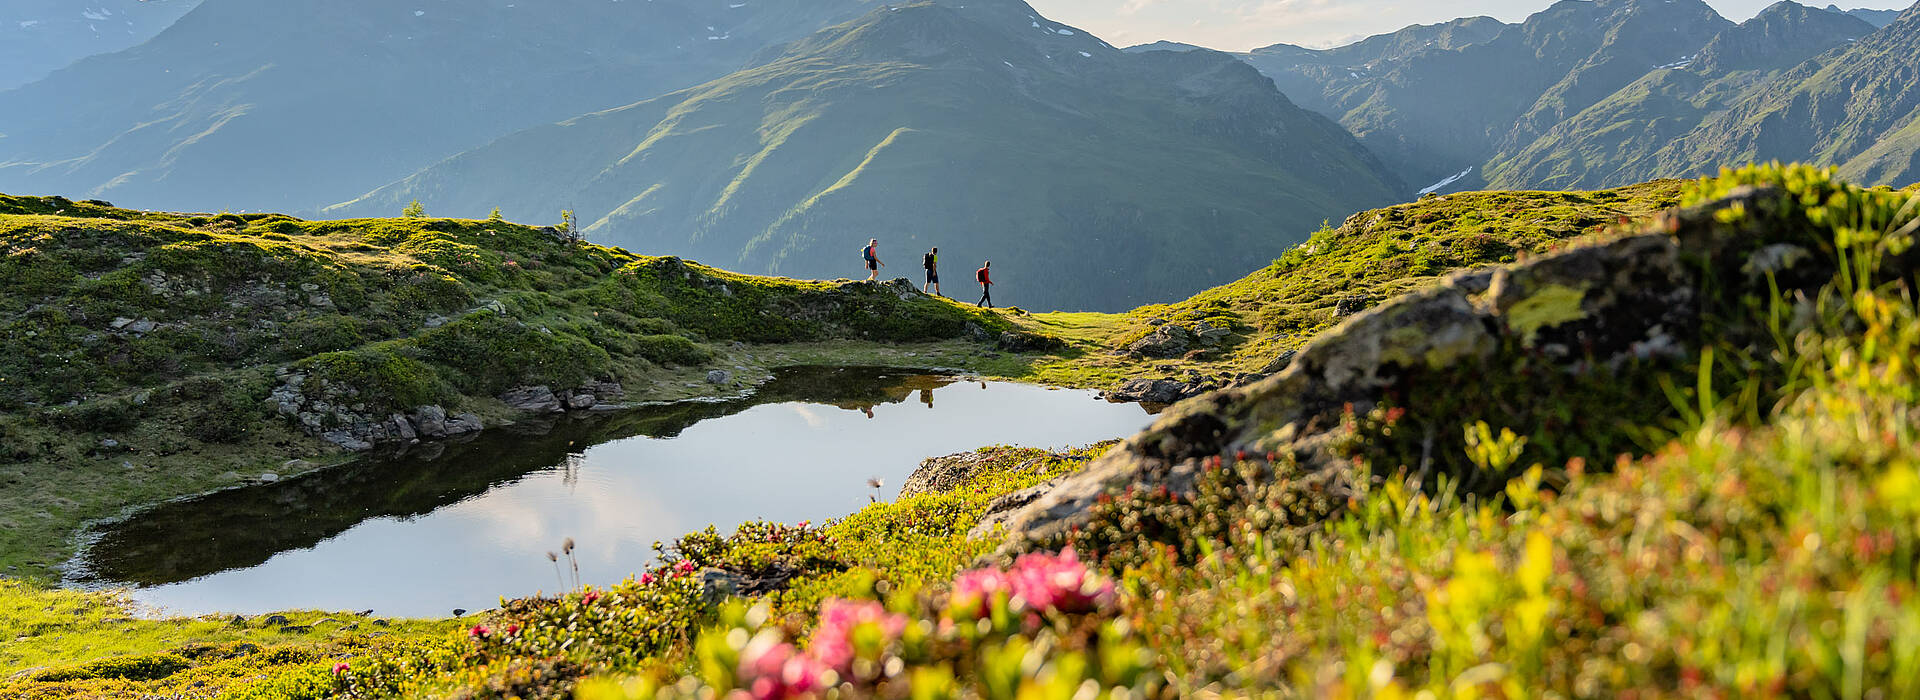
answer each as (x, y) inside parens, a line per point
(1239, 25)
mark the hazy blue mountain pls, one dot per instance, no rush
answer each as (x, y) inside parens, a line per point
(1092, 177)
(1434, 111)
(1163, 46)
(291, 104)
(1644, 130)
(38, 37)
(1877, 18)
(1305, 75)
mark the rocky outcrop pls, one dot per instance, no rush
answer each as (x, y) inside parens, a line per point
(943, 474)
(532, 399)
(1638, 296)
(1166, 341)
(1159, 391)
(338, 415)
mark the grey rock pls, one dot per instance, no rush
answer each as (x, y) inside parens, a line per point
(532, 399)
(581, 401)
(109, 443)
(296, 465)
(119, 323)
(1158, 391)
(719, 376)
(274, 620)
(401, 428)
(436, 321)
(347, 440)
(430, 421)
(464, 423)
(1166, 341)
(1280, 363)
(717, 585)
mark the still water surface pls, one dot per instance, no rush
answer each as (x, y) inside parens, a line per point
(459, 526)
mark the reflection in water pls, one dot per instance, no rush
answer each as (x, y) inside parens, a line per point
(459, 525)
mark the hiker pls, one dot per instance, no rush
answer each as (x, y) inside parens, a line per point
(986, 284)
(872, 254)
(932, 263)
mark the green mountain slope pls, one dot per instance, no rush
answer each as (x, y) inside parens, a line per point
(1093, 178)
(288, 106)
(1641, 131)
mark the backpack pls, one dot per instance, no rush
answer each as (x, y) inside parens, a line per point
(866, 253)
(928, 263)
(980, 275)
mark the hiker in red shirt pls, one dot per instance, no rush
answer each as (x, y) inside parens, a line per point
(986, 284)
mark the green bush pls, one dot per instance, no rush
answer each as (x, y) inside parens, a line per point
(133, 668)
(490, 353)
(671, 350)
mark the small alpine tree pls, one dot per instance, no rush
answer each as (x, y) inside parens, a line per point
(569, 226)
(494, 217)
(414, 210)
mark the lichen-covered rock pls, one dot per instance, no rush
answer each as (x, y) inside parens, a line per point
(1609, 303)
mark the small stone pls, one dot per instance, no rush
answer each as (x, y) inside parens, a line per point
(109, 443)
(719, 377)
(119, 323)
(269, 477)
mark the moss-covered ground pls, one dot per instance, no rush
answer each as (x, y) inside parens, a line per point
(1757, 538)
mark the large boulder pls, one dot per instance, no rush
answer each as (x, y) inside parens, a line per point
(1637, 296)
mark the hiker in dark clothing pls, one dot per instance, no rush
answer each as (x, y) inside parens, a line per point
(984, 274)
(872, 254)
(932, 263)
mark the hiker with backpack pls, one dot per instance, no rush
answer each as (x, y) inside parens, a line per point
(872, 255)
(932, 263)
(986, 284)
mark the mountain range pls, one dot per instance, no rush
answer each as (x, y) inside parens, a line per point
(38, 37)
(1607, 92)
(1094, 178)
(290, 104)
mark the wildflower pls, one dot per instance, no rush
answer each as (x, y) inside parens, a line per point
(1037, 582)
(591, 596)
(479, 632)
(840, 631)
(772, 669)
(646, 579)
(512, 630)
(340, 669)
